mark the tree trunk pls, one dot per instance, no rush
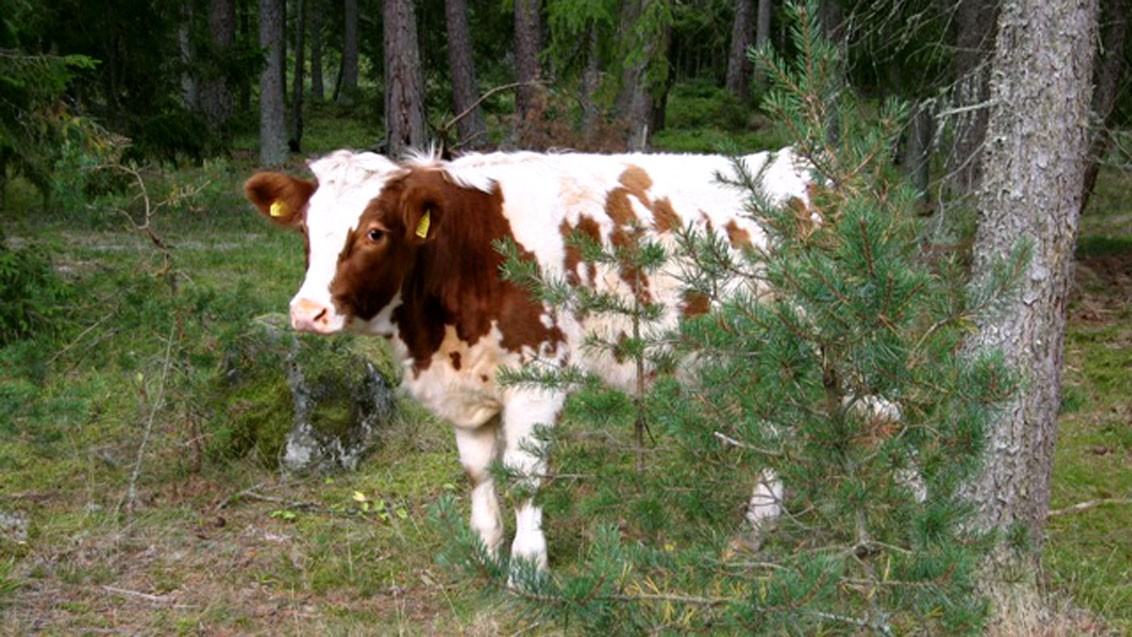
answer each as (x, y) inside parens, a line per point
(918, 149)
(635, 99)
(591, 79)
(216, 96)
(272, 130)
(762, 35)
(318, 91)
(974, 41)
(1034, 162)
(189, 95)
(738, 66)
(404, 104)
(1110, 71)
(297, 86)
(465, 92)
(526, 56)
(348, 83)
(245, 89)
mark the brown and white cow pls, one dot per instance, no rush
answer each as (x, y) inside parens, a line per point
(405, 250)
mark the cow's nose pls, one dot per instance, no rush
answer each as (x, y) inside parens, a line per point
(308, 316)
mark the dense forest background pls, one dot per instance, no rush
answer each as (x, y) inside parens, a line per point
(143, 398)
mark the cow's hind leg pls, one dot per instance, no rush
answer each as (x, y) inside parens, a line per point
(522, 455)
(478, 448)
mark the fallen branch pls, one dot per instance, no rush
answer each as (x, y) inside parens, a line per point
(157, 599)
(132, 492)
(1085, 506)
(250, 493)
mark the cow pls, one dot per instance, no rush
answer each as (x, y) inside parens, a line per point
(406, 250)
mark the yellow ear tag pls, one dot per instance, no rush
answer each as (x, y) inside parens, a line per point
(278, 208)
(422, 225)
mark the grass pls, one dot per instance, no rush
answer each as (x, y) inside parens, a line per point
(195, 555)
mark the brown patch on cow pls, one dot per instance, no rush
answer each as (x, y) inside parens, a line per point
(665, 216)
(635, 180)
(455, 356)
(450, 278)
(587, 226)
(484, 378)
(627, 232)
(695, 304)
(619, 208)
(740, 238)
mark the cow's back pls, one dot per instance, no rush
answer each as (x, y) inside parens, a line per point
(618, 200)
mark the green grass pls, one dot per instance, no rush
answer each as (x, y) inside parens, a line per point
(72, 412)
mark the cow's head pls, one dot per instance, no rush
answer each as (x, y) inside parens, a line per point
(364, 222)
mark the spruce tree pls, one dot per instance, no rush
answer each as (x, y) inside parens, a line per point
(833, 359)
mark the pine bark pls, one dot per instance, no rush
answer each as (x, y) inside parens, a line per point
(974, 43)
(298, 77)
(348, 82)
(635, 98)
(527, 69)
(762, 35)
(465, 92)
(217, 99)
(738, 66)
(189, 93)
(1033, 165)
(318, 90)
(272, 129)
(1111, 67)
(404, 103)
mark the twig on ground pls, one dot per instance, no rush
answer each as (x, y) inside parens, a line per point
(1085, 506)
(158, 599)
(132, 492)
(252, 495)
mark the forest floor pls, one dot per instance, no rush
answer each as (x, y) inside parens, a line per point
(219, 545)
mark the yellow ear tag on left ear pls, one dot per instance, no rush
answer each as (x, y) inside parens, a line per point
(422, 225)
(278, 208)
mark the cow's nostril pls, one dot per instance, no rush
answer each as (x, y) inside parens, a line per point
(320, 315)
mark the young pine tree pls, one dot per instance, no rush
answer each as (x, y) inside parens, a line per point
(833, 362)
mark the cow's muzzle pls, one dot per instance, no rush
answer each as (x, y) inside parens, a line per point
(308, 316)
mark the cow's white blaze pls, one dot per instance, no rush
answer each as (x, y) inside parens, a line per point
(347, 182)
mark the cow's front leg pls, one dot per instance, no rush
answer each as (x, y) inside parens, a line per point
(522, 454)
(478, 448)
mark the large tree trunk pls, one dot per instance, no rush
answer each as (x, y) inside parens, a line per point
(527, 67)
(297, 86)
(318, 91)
(970, 71)
(762, 35)
(591, 80)
(465, 92)
(635, 100)
(1033, 165)
(404, 103)
(189, 94)
(216, 95)
(348, 82)
(245, 88)
(738, 66)
(1110, 71)
(272, 130)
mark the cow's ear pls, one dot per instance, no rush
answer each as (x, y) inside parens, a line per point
(423, 206)
(280, 198)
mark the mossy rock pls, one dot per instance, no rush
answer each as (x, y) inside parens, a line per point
(307, 403)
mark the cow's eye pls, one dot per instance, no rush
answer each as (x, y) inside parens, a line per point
(375, 234)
